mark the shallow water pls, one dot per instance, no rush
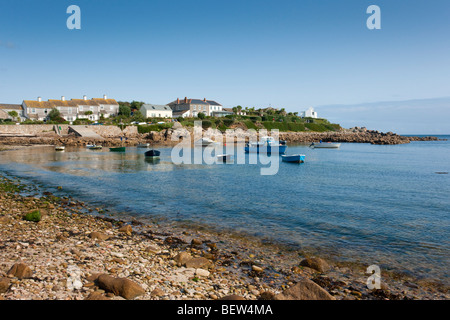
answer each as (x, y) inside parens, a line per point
(385, 205)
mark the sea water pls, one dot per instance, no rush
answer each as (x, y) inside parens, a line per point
(374, 204)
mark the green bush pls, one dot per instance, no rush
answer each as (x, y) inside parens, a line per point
(227, 122)
(34, 216)
(154, 127)
(206, 124)
(250, 125)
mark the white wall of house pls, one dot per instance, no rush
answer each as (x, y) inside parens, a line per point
(310, 113)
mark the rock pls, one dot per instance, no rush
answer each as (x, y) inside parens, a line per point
(96, 296)
(182, 258)
(157, 293)
(196, 242)
(267, 295)
(98, 236)
(316, 264)
(126, 229)
(20, 271)
(232, 297)
(202, 273)
(120, 286)
(304, 290)
(4, 284)
(153, 249)
(257, 269)
(197, 263)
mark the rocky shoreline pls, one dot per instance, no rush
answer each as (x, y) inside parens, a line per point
(164, 137)
(56, 248)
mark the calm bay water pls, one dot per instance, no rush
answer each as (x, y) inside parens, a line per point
(385, 205)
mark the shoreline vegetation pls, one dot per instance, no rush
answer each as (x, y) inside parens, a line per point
(59, 248)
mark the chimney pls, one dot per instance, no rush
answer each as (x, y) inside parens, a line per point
(39, 99)
(63, 98)
(178, 100)
(185, 99)
(104, 96)
(84, 98)
(204, 99)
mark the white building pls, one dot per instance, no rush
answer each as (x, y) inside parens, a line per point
(71, 110)
(310, 113)
(156, 111)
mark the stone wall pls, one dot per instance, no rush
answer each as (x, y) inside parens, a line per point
(39, 129)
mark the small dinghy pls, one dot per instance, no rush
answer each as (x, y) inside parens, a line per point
(93, 147)
(60, 148)
(296, 158)
(143, 145)
(224, 157)
(152, 154)
(117, 149)
(327, 145)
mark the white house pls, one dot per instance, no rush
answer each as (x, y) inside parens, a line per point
(156, 111)
(70, 110)
(310, 113)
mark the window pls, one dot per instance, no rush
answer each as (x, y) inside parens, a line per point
(69, 110)
(81, 108)
(92, 108)
(33, 110)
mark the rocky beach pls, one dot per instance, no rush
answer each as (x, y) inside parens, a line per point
(58, 248)
(111, 136)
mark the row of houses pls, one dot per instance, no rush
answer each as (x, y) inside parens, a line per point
(96, 108)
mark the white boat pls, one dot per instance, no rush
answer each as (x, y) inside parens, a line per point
(328, 145)
(60, 148)
(204, 142)
(93, 146)
(224, 157)
(143, 145)
(266, 145)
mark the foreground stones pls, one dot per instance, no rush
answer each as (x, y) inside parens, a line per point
(120, 286)
(304, 290)
(74, 256)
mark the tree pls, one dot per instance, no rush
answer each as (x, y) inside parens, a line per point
(235, 110)
(124, 110)
(13, 114)
(201, 115)
(54, 115)
(239, 108)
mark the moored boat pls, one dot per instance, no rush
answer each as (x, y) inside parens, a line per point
(204, 142)
(60, 148)
(143, 145)
(328, 145)
(297, 158)
(224, 157)
(117, 149)
(266, 145)
(152, 154)
(93, 147)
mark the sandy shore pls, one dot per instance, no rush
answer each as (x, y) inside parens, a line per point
(76, 252)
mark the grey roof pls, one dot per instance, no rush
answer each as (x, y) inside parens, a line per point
(11, 106)
(156, 107)
(213, 103)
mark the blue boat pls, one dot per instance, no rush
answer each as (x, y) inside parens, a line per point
(266, 145)
(297, 158)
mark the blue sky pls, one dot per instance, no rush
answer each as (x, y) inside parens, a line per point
(285, 53)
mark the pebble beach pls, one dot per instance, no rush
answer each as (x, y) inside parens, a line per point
(75, 252)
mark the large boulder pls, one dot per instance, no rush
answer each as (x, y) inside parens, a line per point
(120, 286)
(20, 271)
(304, 290)
(316, 264)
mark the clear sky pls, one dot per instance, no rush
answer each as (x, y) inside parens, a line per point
(284, 53)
